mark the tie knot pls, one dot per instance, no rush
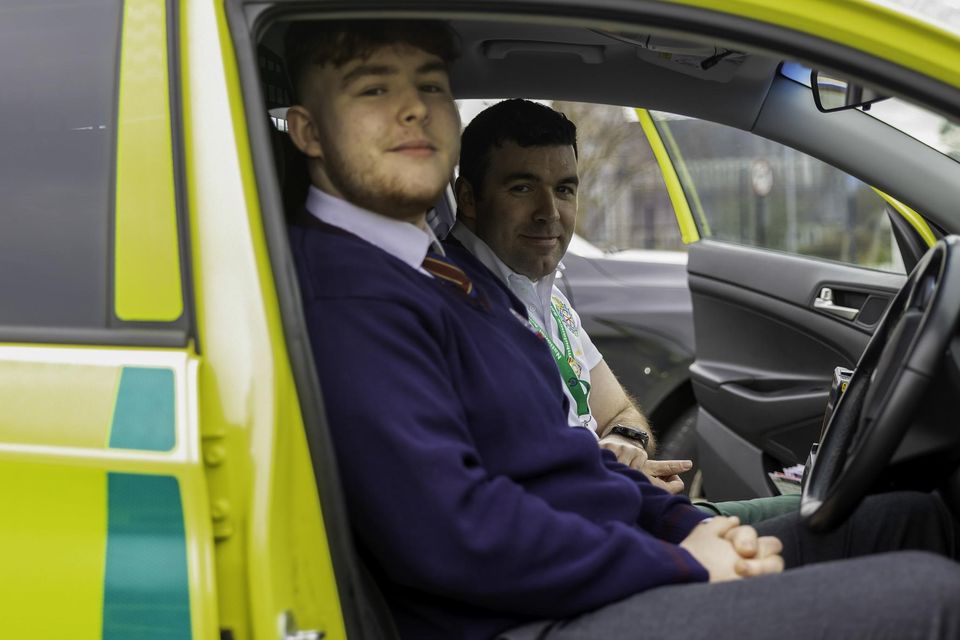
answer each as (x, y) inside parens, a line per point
(447, 271)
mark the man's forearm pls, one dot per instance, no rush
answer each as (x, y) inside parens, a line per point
(630, 416)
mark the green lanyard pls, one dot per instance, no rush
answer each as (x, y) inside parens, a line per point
(579, 389)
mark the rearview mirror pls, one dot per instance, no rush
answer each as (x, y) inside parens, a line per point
(831, 93)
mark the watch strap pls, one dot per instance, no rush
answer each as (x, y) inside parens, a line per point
(631, 433)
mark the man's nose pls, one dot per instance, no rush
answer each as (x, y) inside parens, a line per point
(547, 210)
(413, 108)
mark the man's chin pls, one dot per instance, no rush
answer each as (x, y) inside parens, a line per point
(538, 269)
(392, 198)
(396, 190)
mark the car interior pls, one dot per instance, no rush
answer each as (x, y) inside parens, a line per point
(765, 351)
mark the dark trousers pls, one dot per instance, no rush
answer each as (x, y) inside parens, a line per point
(883, 574)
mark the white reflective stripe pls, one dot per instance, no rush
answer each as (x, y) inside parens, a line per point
(119, 459)
(112, 356)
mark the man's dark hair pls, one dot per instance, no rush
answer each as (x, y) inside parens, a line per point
(337, 42)
(528, 124)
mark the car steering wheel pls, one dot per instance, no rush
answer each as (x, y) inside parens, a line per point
(899, 364)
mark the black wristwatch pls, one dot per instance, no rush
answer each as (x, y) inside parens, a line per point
(632, 434)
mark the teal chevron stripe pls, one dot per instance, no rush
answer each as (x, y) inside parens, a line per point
(143, 417)
(146, 588)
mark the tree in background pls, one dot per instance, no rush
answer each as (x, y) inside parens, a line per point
(950, 136)
(605, 166)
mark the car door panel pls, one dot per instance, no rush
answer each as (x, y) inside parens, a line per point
(766, 352)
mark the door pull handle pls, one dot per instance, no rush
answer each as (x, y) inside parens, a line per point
(824, 302)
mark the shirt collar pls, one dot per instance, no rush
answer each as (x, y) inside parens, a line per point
(519, 284)
(403, 240)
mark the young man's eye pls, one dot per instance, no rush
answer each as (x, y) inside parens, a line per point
(373, 91)
(567, 190)
(432, 88)
(520, 188)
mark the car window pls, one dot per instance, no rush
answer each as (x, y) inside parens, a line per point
(752, 191)
(59, 65)
(623, 201)
(944, 14)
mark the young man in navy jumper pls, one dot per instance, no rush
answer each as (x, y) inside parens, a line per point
(483, 514)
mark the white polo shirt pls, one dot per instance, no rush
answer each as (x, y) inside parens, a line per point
(538, 297)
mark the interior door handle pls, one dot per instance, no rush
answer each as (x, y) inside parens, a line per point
(824, 302)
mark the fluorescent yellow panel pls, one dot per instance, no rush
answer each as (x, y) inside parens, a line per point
(915, 219)
(146, 260)
(678, 198)
(56, 404)
(245, 364)
(297, 517)
(52, 551)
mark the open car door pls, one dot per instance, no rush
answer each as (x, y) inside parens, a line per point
(794, 267)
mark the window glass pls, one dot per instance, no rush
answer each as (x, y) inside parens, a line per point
(58, 64)
(623, 201)
(929, 128)
(942, 13)
(746, 189)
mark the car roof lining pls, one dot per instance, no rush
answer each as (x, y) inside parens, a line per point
(558, 62)
(537, 59)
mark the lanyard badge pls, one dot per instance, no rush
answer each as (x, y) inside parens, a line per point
(579, 389)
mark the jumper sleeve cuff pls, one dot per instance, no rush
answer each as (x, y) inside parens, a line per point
(696, 571)
(677, 523)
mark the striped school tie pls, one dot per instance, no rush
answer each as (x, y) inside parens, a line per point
(446, 271)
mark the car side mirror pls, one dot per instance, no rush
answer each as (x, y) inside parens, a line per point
(831, 93)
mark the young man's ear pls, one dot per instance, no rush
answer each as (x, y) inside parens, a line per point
(466, 203)
(303, 132)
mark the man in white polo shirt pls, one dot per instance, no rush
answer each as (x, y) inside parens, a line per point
(525, 157)
(517, 208)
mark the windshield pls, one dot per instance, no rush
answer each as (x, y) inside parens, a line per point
(942, 13)
(929, 128)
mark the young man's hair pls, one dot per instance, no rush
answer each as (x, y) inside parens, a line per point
(528, 124)
(337, 42)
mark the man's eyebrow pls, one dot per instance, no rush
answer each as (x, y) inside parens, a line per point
(367, 70)
(387, 70)
(523, 175)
